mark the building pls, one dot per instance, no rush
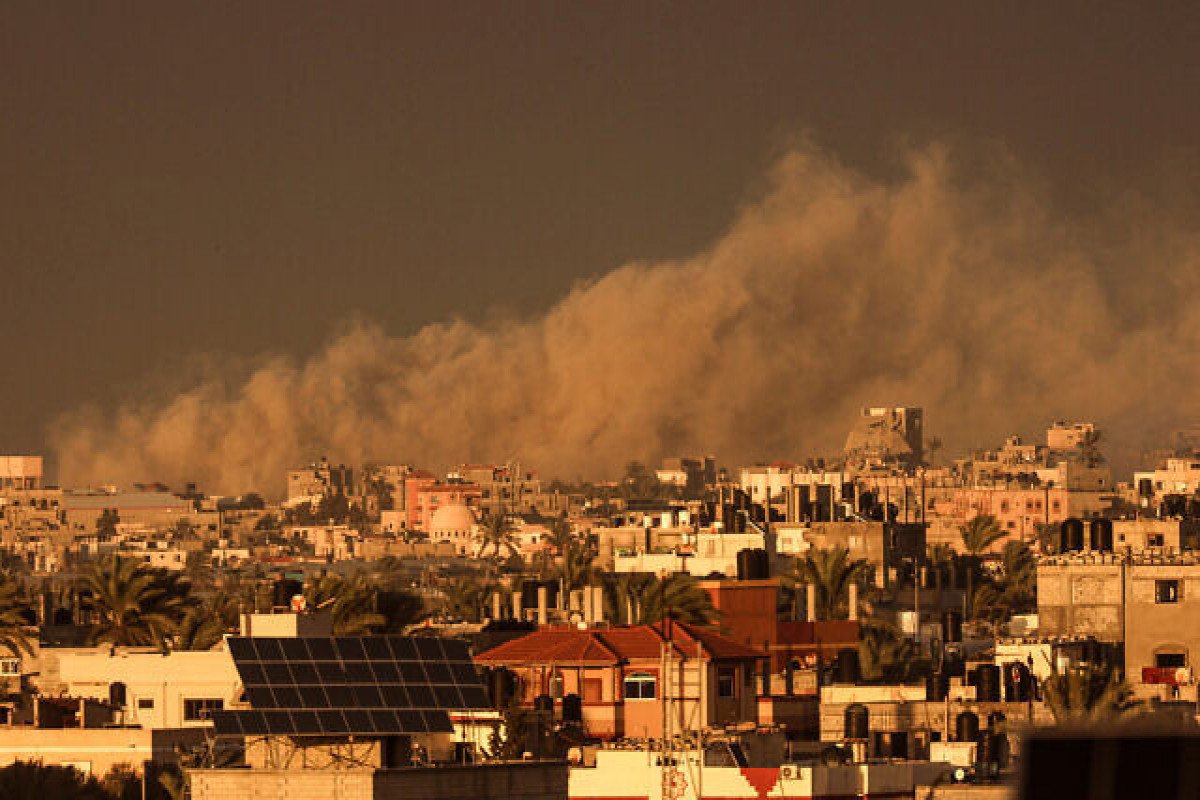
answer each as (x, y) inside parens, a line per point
(1148, 604)
(310, 484)
(20, 473)
(886, 437)
(622, 675)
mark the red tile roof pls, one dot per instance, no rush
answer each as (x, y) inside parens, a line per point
(615, 645)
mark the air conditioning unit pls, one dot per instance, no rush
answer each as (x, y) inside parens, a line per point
(789, 772)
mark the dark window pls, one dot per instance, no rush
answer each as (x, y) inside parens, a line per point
(1166, 591)
(640, 686)
(726, 682)
(145, 703)
(201, 708)
(1174, 660)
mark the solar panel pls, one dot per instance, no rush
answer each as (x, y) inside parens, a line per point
(350, 685)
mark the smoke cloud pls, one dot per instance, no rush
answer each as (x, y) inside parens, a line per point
(954, 285)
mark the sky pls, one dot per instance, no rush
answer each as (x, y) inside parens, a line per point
(192, 186)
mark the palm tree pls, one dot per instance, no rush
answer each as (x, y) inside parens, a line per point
(642, 599)
(14, 619)
(978, 534)
(831, 571)
(940, 558)
(362, 607)
(497, 531)
(136, 606)
(680, 596)
(885, 655)
(468, 598)
(351, 602)
(576, 567)
(201, 628)
(1087, 694)
(1019, 584)
(560, 535)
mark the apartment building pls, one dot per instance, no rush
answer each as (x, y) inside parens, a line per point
(1147, 602)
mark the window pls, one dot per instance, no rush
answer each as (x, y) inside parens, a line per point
(640, 686)
(145, 703)
(1155, 540)
(1170, 660)
(201, 708)
(10, 666)
(1166, 591)
(726, 682)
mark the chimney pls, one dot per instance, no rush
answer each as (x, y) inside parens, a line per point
(543, 597)
(516, 603)
(853, 601)
(810, 596)
(497, 605)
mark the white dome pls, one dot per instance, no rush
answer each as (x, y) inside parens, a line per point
(452, 519)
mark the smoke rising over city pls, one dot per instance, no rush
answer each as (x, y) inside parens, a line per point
(953, 284)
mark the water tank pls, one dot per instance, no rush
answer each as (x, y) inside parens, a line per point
(988, 755)
(572, 708)
(937, 686)
(989, 683)
(847, 668)
(1016, 682)
(966, 727)
(952, 626)
(116, 694)
(857, 722)
(1070, 535)
(1101, 535)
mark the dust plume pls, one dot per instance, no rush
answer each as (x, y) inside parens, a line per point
(954, 285)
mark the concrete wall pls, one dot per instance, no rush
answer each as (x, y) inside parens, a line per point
(94, 750)
(523, 781)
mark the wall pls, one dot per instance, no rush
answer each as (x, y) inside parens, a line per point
(94, 750)
(523, 781)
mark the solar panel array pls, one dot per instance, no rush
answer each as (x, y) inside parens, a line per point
(350, 685)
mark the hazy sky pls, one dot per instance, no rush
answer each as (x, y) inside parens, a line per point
(233, 179)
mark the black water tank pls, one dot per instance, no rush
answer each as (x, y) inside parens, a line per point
(743, 564)
(116, 694)
(937, 686)
(989, 683)
(1016, 682)
(856, 722)
(989, 751)
(572, 708)
(847, 667)
(1070, 535)
(952, 621)
(1101, 535)
(966, 727)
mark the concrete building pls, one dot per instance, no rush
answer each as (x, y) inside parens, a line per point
(20, 473)
(1147, 603)
(310, 484)
(884, 437)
